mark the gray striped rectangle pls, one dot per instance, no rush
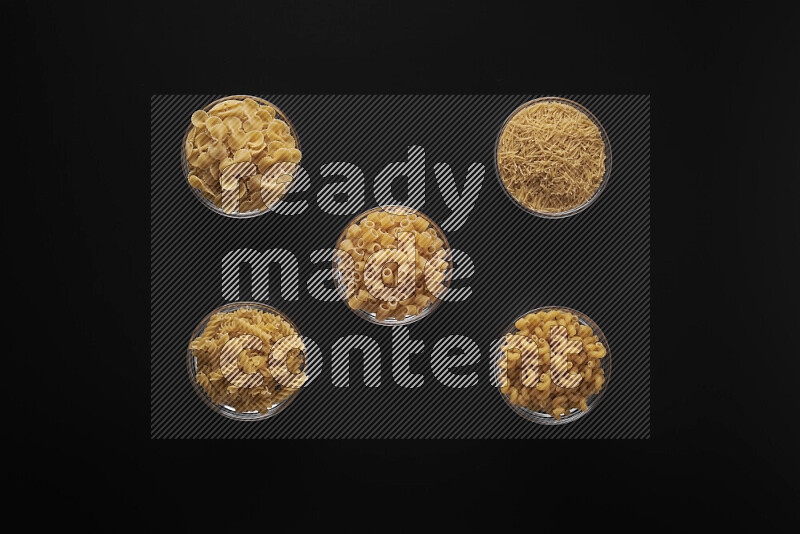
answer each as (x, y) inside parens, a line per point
(597, 262)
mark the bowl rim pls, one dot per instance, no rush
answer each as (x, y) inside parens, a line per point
(608, 162)
(185, 164)
(191, 364)
(428, 310)
(574, 413)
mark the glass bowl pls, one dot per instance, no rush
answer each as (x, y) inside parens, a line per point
(606, 175)
(420, 289)
(226, 409)
(292, 169)
(574, 414)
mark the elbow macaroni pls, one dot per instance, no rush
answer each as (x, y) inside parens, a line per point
(551, 363)
(372, 280)
(243, 130)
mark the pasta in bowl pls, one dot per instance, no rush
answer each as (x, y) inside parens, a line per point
(392, 265)
(553, 157)
(240, 156)
(552, 365)
(246, 361)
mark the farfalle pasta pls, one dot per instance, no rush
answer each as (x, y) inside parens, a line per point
(241, 130)
(551, 362)
(248, 360)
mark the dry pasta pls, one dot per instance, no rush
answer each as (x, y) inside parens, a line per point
(241, 131)
(416, 271)
(234, 364)
(560, 373)
(551, 157)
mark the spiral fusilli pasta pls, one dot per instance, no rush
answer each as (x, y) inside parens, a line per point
(235, 364)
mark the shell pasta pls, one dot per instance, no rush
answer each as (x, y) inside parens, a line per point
(241, 130)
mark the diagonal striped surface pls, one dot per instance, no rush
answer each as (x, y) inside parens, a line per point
(597, 262)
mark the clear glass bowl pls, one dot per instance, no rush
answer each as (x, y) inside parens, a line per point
(424, 312)
(191, 365)
(606, 175)
(208, 203)
(574, 413)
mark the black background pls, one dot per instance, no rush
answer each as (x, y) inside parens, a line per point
(725, 229)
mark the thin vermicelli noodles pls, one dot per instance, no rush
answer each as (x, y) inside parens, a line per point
(551, 157)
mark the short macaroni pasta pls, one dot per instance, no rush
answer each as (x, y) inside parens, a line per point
(413, 279)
